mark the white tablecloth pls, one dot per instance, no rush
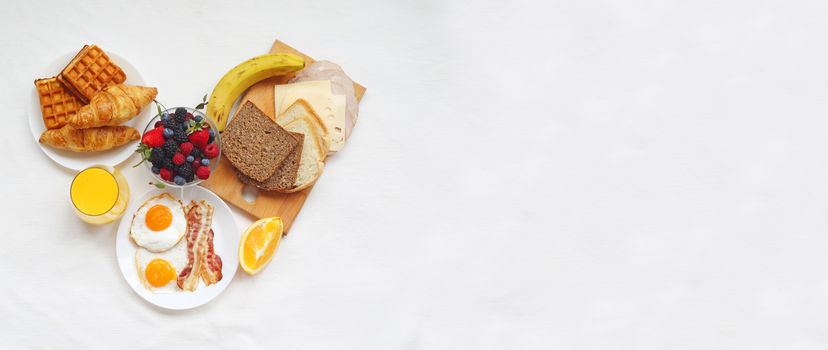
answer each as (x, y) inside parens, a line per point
(524, 175)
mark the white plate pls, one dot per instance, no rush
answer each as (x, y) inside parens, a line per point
(79, 161)
(225, 241)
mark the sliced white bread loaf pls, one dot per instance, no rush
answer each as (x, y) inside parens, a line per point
(314, 152)
(302, 109)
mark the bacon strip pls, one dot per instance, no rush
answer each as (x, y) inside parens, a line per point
(199, 218)
(211, 266)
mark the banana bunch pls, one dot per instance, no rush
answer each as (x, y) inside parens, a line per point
(244, 75)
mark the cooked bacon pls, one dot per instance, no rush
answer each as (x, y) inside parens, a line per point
(199, 218)
(211, 266)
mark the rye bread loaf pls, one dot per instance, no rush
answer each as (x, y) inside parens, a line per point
(285, 176)
(255, 144)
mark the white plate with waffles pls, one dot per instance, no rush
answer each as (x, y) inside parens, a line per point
(80, 161)
(225, 242)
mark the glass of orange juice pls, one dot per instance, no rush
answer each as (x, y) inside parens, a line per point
(99, 194)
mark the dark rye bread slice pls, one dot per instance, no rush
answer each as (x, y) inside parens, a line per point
(285, 176)
(255, 144)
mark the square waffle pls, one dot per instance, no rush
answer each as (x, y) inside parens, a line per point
(56, 104)
(89, 72)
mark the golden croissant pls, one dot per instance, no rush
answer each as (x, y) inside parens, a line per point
(112, 106)
(89, 140)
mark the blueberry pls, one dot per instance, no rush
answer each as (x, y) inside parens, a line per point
(178, 180)
(168, 133)
(190, 159)
(210, 140)
(212, 133)
(197, 118)
(205, 162)
(165, 117)
(156, 169)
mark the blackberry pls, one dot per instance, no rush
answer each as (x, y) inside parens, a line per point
(155, 155)
(179, 120)
(180, 116)
(180, 136)
(168, 163)
(185, 171)
(169, 148)
(196, 153)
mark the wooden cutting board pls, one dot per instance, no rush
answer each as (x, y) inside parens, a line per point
(224, 181)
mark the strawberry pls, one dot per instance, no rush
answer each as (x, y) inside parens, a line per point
(203, 172)
(211, 151)
(185, 148)
(166, 174)
(154, 137)
(199, 138)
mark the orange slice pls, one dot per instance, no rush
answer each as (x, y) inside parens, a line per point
(259, 243)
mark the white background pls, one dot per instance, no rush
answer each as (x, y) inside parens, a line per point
(523, 175)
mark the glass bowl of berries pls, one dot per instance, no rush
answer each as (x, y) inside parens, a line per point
(181, 146)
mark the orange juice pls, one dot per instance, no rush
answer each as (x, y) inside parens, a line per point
(99, 194)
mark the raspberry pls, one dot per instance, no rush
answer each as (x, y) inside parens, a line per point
(188, 116)
(186, 148)
(178, 159)
(203, 172)
(211, 151)
(159, 124)
(166, 174)
(196, 162)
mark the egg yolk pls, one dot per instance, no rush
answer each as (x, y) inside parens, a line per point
(159, 217)
(159, 272)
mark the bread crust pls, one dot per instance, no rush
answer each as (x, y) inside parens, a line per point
(314, 119)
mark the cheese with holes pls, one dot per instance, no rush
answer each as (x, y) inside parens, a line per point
(329, 107)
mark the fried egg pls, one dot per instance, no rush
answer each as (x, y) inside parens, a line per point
(158, 271)
(159, 223)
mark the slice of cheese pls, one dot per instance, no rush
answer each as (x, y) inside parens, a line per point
(329, 107)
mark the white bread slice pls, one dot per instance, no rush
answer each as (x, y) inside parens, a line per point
(302, 109)
(312, 162)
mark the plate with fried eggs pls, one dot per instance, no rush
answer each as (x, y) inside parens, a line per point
(155, 244)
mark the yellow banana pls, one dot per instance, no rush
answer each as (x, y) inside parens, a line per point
(241, 77)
